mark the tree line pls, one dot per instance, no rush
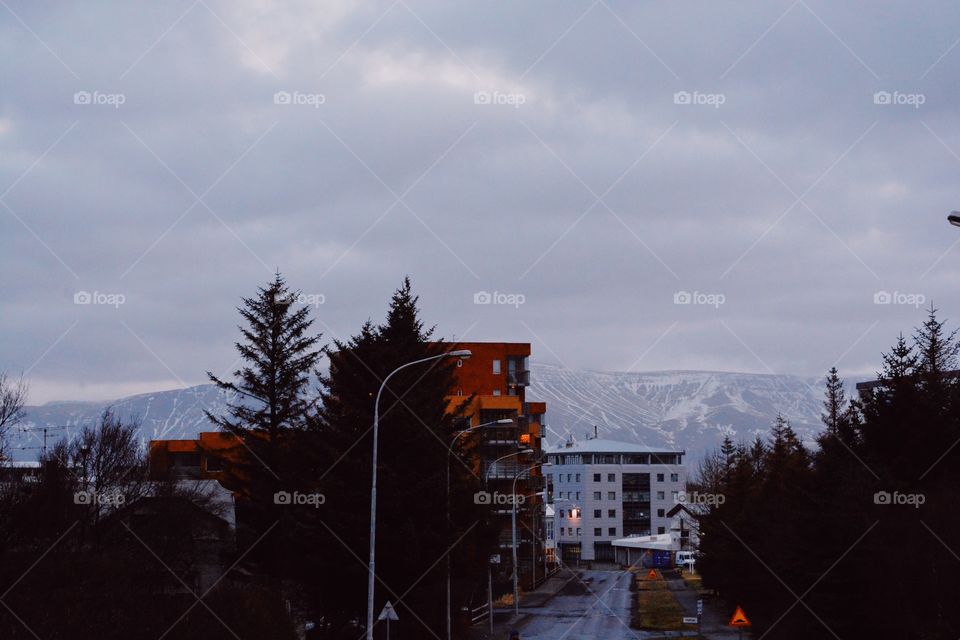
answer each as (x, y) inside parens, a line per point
(857, 535)
(128, 558)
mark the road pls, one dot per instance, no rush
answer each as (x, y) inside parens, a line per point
(593, 605)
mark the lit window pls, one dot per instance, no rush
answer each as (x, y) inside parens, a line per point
(496, 367)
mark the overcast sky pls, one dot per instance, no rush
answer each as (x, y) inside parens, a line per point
(787, 161)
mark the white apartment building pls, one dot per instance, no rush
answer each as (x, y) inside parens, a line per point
(603, 490)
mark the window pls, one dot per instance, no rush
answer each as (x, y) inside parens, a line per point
(674, 495)
(596, 477)
(611, 477)
(598, 531)
(611, 513)
(213, 464)
(659, 477)
(578, 477)
(496, 367)
(569, 476)
(496, 392)
(598, 513)
(578, 496)
(597, 494)
(661, 530)
(660, 513)
(674, 477)
(561, 513)
(611, 495)
(612, 531)
(660, 495)
(578, 532)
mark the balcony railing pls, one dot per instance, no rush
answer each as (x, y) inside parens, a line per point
(518, 378)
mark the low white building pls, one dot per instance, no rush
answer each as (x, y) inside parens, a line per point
(604, 490)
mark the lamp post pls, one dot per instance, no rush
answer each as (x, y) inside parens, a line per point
(453, 441)
(486, 475)
(516, 572)
(371, 569)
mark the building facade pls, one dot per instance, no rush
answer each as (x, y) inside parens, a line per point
(495, 379)
(602, 490)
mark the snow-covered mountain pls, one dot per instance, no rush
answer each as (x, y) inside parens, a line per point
(689, 410)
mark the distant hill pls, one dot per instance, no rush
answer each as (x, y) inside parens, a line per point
(690, 410)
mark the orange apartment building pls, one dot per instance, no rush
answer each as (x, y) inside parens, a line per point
(497, 374)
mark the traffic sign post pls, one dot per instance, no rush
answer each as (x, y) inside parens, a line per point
(740, 621)
(388, 614)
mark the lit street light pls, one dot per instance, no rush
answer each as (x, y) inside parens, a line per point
(371, 570)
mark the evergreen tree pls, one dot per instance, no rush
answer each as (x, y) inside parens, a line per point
(416, 421)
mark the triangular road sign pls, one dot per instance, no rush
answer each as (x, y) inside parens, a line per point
(388, 613)
(651, 575)
(739, 619)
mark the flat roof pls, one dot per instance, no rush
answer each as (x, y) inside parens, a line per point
(601, 445)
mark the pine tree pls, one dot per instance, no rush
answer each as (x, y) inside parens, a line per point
(415, 425)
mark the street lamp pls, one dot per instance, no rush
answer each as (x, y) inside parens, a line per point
(453, 441)
(486, 476)
(371, 571)
(954, 218)
(516, 573)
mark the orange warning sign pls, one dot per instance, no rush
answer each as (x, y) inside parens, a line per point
(739, 619)
(651, 575)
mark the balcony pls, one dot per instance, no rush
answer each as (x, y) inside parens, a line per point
(518, 378)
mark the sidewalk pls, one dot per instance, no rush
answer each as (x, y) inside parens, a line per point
(504, 618)
(713, 623)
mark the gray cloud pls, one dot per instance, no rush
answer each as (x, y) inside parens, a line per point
(798, 198)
